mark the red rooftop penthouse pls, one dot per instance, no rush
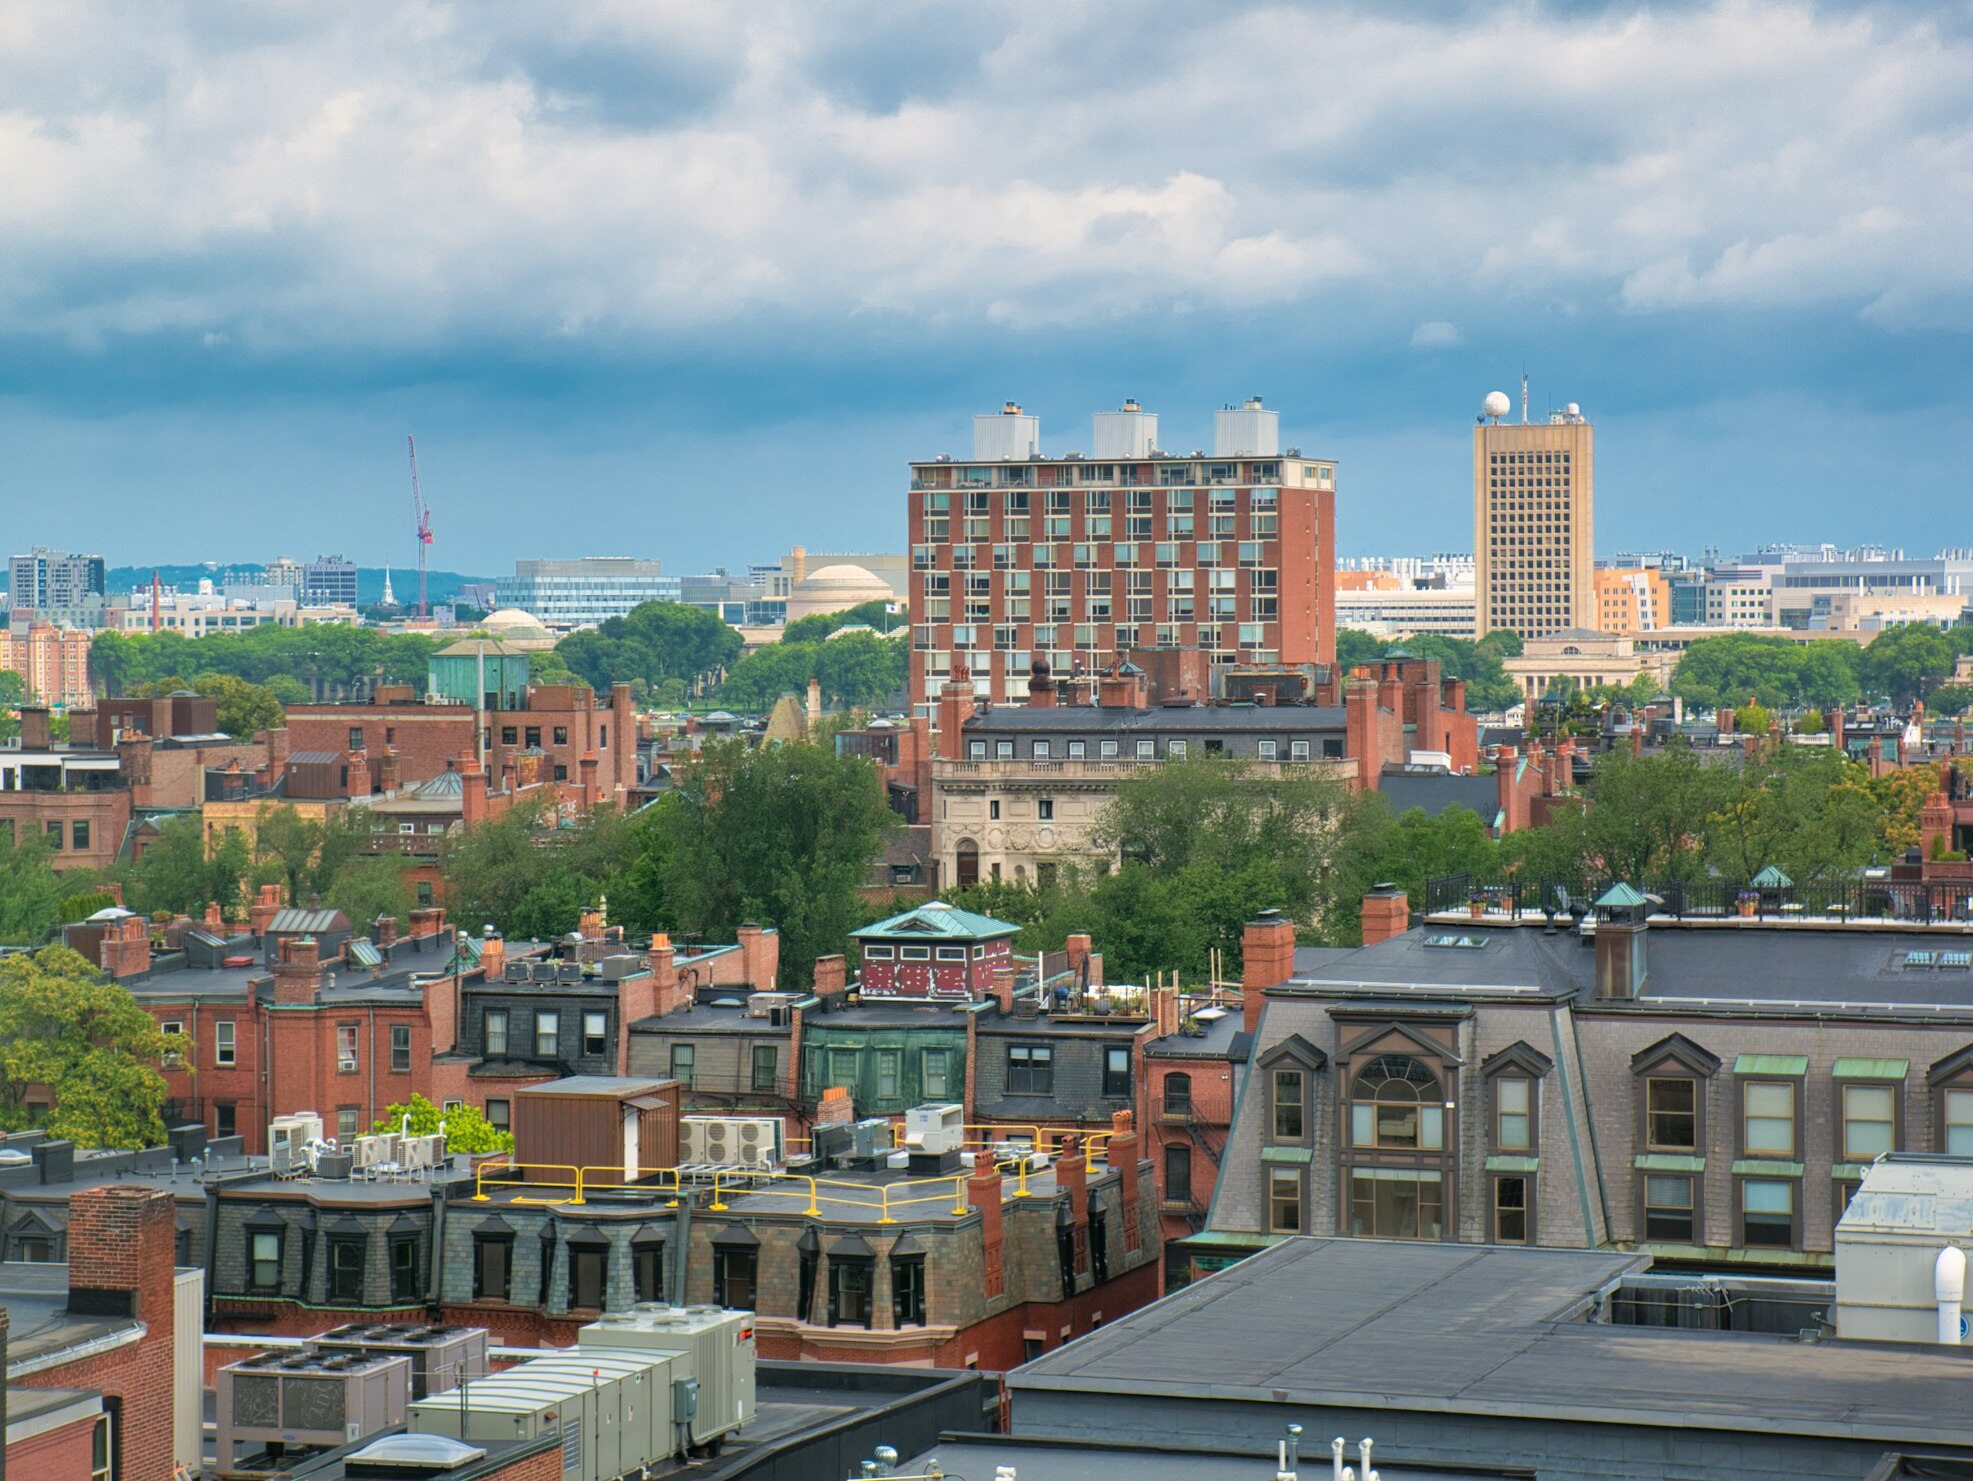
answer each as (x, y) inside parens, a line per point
(938, 953)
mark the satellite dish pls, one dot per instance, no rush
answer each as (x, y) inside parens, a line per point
(1496, 405)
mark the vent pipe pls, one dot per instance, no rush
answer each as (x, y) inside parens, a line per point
(1949, 1287)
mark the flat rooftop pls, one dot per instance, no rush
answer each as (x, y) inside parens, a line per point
(1826, 965)
(966, 1456)
(1494, 1331)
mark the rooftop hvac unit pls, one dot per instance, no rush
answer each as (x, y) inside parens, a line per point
(718, 1350)
(611, 1411)
(441, 1355)
(288, 1138)
(752, 1142)
(935, 1128)
(423, 1153)
(308, 1399)
(775, 1007)
(870, 1139)
(334, 1164)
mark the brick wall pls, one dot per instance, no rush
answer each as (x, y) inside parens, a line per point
(121, 1249)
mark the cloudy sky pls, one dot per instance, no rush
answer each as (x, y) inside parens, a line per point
(695, 280)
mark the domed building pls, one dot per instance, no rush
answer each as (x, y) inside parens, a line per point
(518, 629)
(835, 589)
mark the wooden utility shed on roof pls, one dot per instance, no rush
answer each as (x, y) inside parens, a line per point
(597, 1121)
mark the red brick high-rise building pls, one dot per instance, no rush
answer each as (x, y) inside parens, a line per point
(1079, 560)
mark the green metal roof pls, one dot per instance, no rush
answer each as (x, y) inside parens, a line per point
(1667, 1162)
(1287, 1154)
(1500, 1162)
(1620, 896)
(936, 920)
(1764, 1167)
(1771, 878)
(1771, 1064)
(1871, 1069)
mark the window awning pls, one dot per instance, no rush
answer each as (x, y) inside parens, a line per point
(585, 1234)
(736, 1236)
(1871, 1069)
(1788, 1065)
(907, 1244)
(265, 1217)
(851, 1247)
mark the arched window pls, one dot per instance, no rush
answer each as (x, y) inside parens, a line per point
(1178, 1094)
(1396, 1102)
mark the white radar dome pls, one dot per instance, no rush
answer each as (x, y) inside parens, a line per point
(1574, 410)
(1496, 405)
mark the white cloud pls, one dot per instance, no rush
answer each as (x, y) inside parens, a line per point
(1434, 334)
(408, 171)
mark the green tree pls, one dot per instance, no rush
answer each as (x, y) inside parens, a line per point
(877, 615)
(1727, 670)
(782, 835)
(31, 892)
(13, 694)
(854, 669)
(1801, 810)
(1905, 662)
(530, 877)
(1406, 851)
(466, 1127)
(89, 1043)
(179, 874)
(1356, 648)
(1950, 699)
(288, 843)
(654, 641)
(1753, 718)
(330, 655)
(1645, 821)
(365, 889)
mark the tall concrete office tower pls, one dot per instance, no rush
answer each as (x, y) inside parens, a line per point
(1534, 510)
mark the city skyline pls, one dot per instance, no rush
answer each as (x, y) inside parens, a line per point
(641, 259)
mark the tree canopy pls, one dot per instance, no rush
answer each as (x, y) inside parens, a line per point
(529, 875)
(85, 1043)
(336, 655)
(876, 615)
(854, 669)
(782, 835)
(653, 642)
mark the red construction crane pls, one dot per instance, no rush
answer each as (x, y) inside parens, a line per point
(422, 515)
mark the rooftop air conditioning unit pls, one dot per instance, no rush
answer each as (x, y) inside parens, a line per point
(773, 1006)
(318, 1399)
(753, 1142)
(290, 1135)
(870, 1139)
(441, 1355)
(935, 1128)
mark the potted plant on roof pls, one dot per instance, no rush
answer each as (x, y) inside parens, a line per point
(1745, 902)
(1476, 904)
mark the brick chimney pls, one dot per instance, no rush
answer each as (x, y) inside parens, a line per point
(1072, 1177)
(125, 950)
(831, 977)
(36, 734)
(1934, 827)
(266, 905)
(1836, 728)
(1121, 1154)
(955, 709)
(1041, 686)
(298, 972)
(812, 707)
(760, 950)
(1360, 730)
(1164, 1012)
(427, 920)
(589, 925)
(1003, 989)
(663, 961)
(1508, 801)
(122, 1248)
(983, 1193)
(493, 959)
(386, 931)
(1267, 956)
(1386, 914)
(1076, 948)
(214, 920)
(387, 770)
(836, 1108)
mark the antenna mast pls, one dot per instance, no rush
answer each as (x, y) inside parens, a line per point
(1524, 402)
(421, 514)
